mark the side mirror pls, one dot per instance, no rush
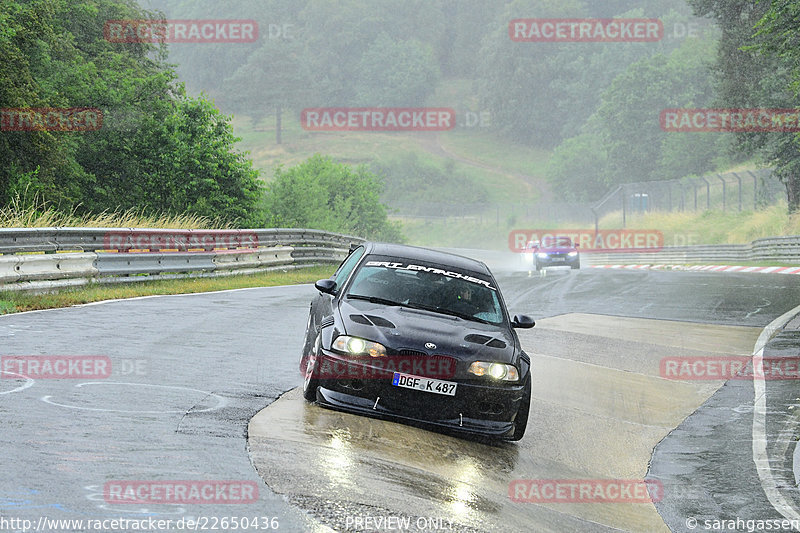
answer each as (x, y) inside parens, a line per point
(325, 285)
(523, 322)
(576, 245)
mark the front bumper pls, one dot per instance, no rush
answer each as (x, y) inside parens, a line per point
(476, 409)
(558, 260)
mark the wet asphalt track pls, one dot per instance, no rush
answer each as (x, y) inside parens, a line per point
(191, 371)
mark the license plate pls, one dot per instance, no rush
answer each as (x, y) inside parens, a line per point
(559, 259)
(424, 384)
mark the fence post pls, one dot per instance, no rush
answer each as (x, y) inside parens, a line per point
(624, 198)
(739, 179)
(694, 186)
(708, 193)
(724, 191)
(755, 190)
(669, 194)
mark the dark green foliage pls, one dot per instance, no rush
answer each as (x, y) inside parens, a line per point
(323, 194)
(159, 150)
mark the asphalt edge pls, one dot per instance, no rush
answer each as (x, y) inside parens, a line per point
(759, 436)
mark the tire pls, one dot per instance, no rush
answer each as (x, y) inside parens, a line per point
(538, 266)
(521, 422)
(576, 266)
(311, 383)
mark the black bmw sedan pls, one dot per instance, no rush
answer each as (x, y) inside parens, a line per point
(419, 336)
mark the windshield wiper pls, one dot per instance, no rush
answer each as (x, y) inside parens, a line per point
(444, 311)
(373, 299)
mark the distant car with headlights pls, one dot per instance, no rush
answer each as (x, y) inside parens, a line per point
(553, 251)
(419, 336)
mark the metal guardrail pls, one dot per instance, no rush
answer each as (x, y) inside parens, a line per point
(42, 258)
(777, 249)
(35, 258)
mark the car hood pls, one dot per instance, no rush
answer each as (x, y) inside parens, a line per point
(401, 328)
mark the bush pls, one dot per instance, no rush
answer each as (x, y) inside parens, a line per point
(323, 194)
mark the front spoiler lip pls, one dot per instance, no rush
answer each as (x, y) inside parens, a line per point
(357, 405)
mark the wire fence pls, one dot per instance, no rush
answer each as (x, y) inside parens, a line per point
(733, 191)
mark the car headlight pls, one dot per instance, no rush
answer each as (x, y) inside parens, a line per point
(572, 254)
(357, 346)
(542, 255)
(498, 371)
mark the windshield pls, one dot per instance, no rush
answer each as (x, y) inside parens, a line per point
(552, 242)
(423, 286)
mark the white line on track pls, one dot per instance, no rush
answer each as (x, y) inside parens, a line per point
(28, 382)
(760, 457)
(221, 402)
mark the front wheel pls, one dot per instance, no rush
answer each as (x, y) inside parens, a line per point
(311, 380)
(521, 422)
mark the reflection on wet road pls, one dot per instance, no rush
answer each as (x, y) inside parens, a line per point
(191, 371)
(591, 418)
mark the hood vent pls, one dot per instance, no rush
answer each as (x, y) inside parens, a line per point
(371, 320)
(485, 340)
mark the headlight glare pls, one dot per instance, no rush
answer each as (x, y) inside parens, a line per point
(572, 254)
(357, 346)
(542, 255)
(497, 371)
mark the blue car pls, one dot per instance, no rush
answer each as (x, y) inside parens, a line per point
(553, 251)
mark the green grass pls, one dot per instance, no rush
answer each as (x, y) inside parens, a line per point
(481, 145)
(13, 301)
(364, 147)
(32, 212)
(713, 227)
(679, 228)
(506, 170)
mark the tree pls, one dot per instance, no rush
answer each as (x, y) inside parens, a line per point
(777, 39)
(179, 159)
(628, 116)
(757, 67)
(396, 73)
(576, 170)
(157, 150)
(275, 77)
(322, 194)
